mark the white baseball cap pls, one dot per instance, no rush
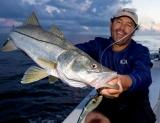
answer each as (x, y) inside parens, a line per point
(127, 12)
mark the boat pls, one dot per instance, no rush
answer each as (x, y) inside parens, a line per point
(154, 96)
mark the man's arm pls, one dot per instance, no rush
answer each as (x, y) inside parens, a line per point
(138, 79)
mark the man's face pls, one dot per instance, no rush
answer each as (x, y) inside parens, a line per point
(120, 28)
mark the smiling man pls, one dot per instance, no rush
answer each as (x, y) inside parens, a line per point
(130, 103)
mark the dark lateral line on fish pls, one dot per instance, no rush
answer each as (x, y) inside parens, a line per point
(35, 38)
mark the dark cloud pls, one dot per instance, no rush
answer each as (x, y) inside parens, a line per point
(97, 14)
(13, 9)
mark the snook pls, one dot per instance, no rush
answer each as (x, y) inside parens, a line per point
(56, 57)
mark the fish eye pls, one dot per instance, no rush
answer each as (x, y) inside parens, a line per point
(94, 66)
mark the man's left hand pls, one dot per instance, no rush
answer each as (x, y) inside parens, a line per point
(123, 81)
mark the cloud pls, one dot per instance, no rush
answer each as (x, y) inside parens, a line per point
(35, 2)
(31, 2)
(150, 30)
(72, 16)
(125, 2)
(86, 5)
(52, 9)
(85, 27)
(61, 0)
(156, 26)
(9, 22)
(149, 26)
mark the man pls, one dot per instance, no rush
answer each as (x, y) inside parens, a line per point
(130, 103)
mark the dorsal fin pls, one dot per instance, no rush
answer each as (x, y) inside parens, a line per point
(56, 31)
(32, 20)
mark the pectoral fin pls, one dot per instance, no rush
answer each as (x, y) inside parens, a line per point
(48, 64)
(52, 79)
(34, 74)
(8, 46)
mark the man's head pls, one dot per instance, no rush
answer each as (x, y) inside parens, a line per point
(123, 25)
(128, 13)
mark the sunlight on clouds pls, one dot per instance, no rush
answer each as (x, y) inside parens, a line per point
(85, 27)
(86, 30)
(148, 23)
(156, 27)
(149, 18)
(145, 22)
(52, 9)
(85, 5)
(9, 22)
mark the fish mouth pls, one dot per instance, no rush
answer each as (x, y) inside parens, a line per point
(101, 82)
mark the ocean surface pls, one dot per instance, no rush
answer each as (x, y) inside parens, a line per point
(39, 102)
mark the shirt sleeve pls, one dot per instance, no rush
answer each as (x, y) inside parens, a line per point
(141, 74)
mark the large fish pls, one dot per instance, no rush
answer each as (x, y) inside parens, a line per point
(57, 57)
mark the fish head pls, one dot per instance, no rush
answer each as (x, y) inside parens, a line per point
(90, 72)
(83, 69)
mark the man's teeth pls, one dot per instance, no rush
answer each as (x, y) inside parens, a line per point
(121, 33)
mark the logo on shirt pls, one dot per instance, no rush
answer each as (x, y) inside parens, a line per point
(123, 61)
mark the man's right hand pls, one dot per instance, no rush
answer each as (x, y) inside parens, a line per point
(108, 92)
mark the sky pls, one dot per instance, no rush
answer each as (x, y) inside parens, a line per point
(78, 17)
(149, 17)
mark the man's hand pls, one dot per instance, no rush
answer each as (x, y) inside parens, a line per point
(124, 82)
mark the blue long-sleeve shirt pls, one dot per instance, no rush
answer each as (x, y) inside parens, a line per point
(133, 61)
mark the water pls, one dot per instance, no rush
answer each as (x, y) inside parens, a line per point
(152, 42)
(39, 102)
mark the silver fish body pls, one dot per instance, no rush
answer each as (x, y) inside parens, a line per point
(57, 57)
